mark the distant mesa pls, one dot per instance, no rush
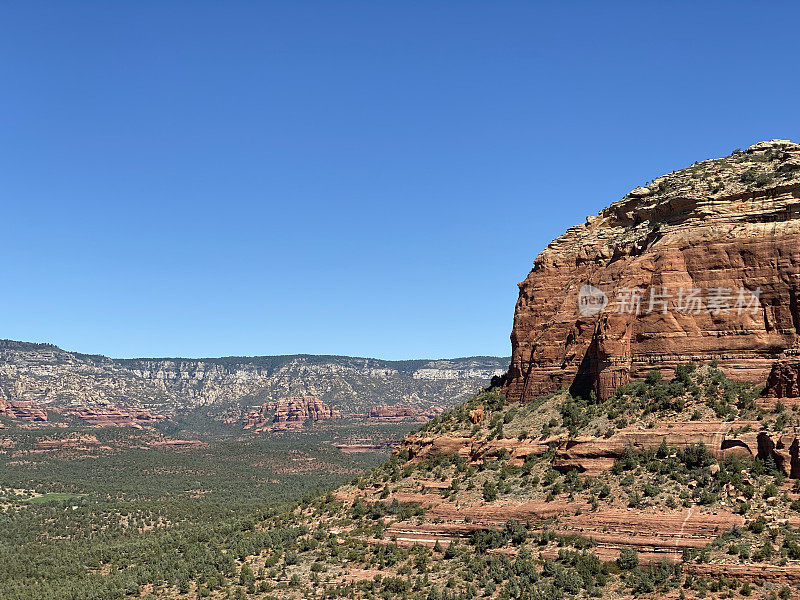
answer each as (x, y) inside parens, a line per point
(293, 413)
(90, 445)
(289, 414)
(358, 447)
(179, 444)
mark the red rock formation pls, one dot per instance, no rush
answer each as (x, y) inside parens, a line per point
(71, 442)
(393, 414)
(704, 228)
(99, 416)
(26, 411)
(289, 413)
(476, 415)
(784, 380)
(109, 416)
(591, 455)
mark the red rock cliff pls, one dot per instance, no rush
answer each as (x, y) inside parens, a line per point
(724, 231)
(24, 410)
(289, 413)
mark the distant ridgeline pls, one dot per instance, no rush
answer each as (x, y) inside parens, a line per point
(44, 376)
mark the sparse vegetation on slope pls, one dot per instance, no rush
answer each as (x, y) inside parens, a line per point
(489, 500)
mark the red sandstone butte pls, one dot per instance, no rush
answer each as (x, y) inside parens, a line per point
(179, 444)
(708, 227)
(289, 413)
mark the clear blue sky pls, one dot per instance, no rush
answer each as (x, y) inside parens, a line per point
(373, 178)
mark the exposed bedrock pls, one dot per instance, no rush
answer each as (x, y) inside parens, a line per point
(289, 413)
(784, 380)
(703, 232)
(592, 455)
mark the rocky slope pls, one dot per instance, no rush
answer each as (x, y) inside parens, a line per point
(51, 377)
(700, 264)
(670, 488)
(22, 410)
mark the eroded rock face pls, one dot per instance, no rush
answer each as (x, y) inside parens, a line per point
(112, 416)
(784, 380)
(24, 410)
(395, 414)
(719, 227)
(289, 413)
(591, 455)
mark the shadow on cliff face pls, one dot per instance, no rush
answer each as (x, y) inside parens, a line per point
(738, 448)
(785, 451)
(583, 383)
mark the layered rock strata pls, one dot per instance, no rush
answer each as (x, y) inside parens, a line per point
(591, 455)
(395, 414)
(112, 416)
(23, 410)
(701, 264)
(289, 413)
(784, 380)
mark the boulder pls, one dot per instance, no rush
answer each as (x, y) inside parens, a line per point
(476, 415)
